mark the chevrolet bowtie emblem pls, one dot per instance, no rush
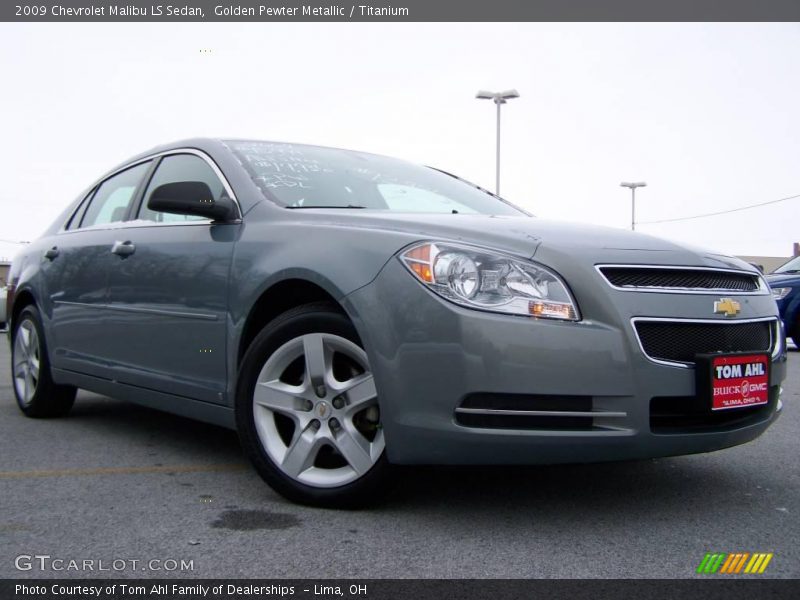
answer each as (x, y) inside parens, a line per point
(727, 307)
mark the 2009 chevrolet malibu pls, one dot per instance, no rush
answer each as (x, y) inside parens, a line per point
(345, 312)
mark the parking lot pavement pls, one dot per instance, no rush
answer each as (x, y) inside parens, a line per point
(115, 482)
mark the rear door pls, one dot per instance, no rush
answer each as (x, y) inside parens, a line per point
(75, 270)
(168, 297)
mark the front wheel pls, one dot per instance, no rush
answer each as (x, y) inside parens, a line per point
(307, 410)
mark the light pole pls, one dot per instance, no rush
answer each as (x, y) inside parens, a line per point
(633, 187)
(499, 98)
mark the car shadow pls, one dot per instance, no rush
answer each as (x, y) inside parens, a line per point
(644, 485)
(667, 485)
(161, 432)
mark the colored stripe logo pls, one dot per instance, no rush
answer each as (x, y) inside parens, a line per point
(734, 563)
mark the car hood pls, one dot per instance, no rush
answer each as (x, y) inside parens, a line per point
(778, 279)
(530, 237)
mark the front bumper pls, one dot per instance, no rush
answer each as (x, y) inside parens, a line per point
(429, 355)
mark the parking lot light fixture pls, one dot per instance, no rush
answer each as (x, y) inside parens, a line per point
(633, 186)
(499, 98)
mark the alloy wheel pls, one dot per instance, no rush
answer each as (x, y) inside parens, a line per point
(26, 361)
(316, 411)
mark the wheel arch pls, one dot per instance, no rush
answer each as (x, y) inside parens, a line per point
(276, 299)
(22, 298)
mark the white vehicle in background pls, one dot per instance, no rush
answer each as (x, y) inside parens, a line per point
(3, 294)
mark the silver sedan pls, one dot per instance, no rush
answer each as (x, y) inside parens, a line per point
(347, 312)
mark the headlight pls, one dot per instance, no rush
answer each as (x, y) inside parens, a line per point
(780, 293)
(487, 280)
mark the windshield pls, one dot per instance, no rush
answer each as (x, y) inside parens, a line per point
(298, 176)
(793, 266)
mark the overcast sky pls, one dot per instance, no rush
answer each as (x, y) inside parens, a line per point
(706, 114)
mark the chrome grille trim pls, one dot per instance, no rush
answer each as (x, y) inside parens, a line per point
(775, 342)
(541, 413)
(762, 289)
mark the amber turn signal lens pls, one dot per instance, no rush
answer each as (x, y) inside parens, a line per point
(422, 270)
(551, 310)
(420, 253)
(418, 259)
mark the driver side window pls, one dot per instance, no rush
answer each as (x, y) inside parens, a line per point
(110, 202)
(180, 168)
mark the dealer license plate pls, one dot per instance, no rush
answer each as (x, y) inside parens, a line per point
(734, 380)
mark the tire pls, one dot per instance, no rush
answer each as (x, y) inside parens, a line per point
(307, 410)
(38, 396)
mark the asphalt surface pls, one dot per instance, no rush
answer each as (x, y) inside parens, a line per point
(117, 482)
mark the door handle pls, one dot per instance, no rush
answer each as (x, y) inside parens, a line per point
(123, 249)
(52, 253)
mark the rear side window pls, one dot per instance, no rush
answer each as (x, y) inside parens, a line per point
(114, 196)
(177, 168)
(75, 220)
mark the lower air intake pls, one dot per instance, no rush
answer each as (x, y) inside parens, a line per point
(690, 414)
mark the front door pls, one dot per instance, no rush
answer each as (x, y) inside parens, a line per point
(168, 294)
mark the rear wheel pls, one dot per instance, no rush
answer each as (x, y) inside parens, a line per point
(307, 410)
(36, 392)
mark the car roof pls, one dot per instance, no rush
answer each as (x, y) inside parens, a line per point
(208, 145)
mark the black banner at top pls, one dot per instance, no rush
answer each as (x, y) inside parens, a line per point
(397, 10)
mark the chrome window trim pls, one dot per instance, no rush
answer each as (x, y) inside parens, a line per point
(775, 339)
(763, 288)
(134, 223)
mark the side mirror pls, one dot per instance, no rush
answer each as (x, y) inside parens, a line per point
(191, 198)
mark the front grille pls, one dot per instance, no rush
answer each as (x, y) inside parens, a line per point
(676, 341)
(690, 414)
(680, 279)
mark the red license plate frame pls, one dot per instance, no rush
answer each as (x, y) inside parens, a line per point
(731, 381)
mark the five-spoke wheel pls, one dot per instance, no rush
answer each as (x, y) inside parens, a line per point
(316, 410)
(308, 409)
(26, 361)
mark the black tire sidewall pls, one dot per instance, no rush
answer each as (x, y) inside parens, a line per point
(50, 399)
(318, 318)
